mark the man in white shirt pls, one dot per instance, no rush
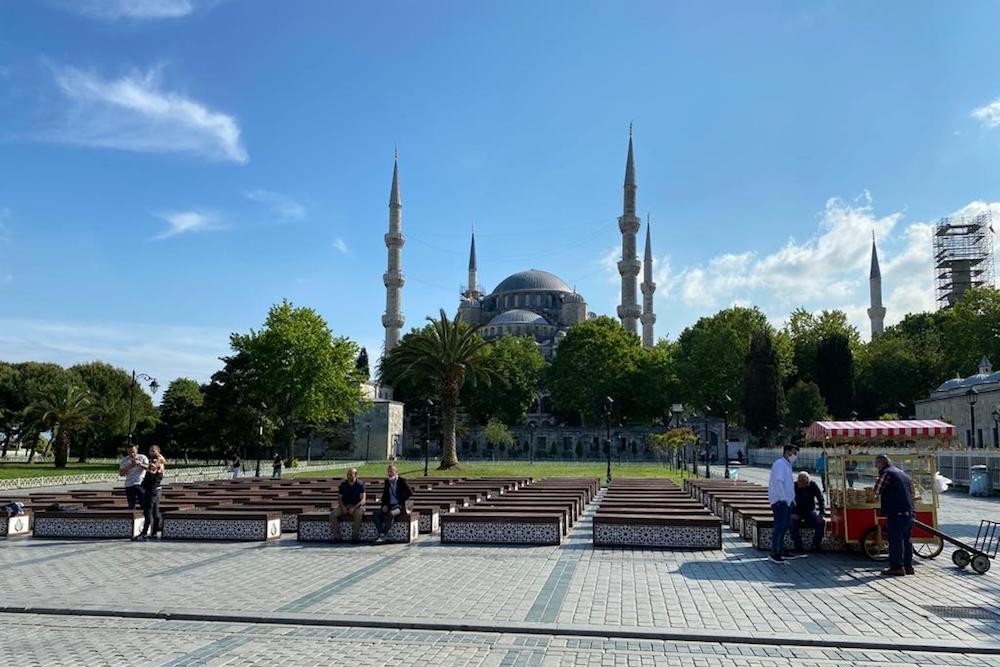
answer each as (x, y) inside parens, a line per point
(133, 468)
(781, 497)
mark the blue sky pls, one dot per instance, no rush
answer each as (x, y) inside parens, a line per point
(171, 168)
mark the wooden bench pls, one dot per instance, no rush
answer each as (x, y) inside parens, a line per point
(663, 531)
(246, 525)
(315, 527)
(501, 527)
(92, 524)
(762, 530)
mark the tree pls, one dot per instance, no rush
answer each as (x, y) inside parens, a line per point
(109, 388)
(835, 374)
(595, 360)
(972, 330)
(362, 364)
(763, 398)
(671, 442)
(66, 411)
(35, 381)
(496, 434)
(517, 365)
(711, 355)
(889, 377)
(805, 405)
(299, 370)
(654, 383)
(181, 415)
(9, 405)
(448, 352)
(805, 332)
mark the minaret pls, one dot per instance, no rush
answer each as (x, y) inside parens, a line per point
(628, 267)
(392, 319)
(877, 312)
(472, 292)
(648, 318)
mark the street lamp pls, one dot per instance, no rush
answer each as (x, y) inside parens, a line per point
(725, 431)
(153, 386)
(996, 426)
(368, 446)
(972, 395)
(609, 404)
(260, 436)
(678, 409)
(427, 445)
(708, 464)
(531, 441)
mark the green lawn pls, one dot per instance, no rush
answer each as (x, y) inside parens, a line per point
(21, 470)
(508, 469)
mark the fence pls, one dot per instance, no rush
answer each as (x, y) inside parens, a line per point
(953, 465)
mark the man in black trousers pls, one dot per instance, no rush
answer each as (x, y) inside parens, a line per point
(395, 493)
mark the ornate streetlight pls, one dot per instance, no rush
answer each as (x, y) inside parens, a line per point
(972, 396)
(153, 386)
(532, 425)
(368, 446)
(708, 463)
(609, 404)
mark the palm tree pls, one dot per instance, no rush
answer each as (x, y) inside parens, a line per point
(66, 410)
(449, 353)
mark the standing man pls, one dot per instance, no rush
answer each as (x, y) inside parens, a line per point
(395, 493)
(781, 496)
(808, 510)
(352, 504)
(133, 468)
(276, 467)
(895, 492)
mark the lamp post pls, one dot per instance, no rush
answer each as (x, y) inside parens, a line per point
(725, 431)
(708, 463)
(427, 444)
(972, 395)
(609, 404)
(260, 436)
(368, 445)
(677, 409)
(996, 426)
(153, 386)
(532, 425)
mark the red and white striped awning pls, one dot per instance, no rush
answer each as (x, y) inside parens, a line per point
(911, 429)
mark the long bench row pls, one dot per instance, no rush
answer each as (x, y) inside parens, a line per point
(654, 513)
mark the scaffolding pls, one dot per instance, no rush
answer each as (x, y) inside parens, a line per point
(963, 256)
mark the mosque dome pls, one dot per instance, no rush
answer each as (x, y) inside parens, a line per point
(518, 316)
(532, 280)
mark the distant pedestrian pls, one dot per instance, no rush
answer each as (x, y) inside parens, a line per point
(133, 469)
(236, 466)
(781, 496)
(151, 494)
(895, 492)
(276, 467)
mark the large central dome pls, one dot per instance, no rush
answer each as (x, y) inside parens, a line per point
(532, 280)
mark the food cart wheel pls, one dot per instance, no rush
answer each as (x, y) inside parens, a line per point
(961, 558)
(981, 563)
(930, 549)
(874, 544)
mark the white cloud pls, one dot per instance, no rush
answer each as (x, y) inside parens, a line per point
(163, 351)
(183, 222)
(281, 206)
(135, 9)
(989, 115)
(340, 245)
(135, 113)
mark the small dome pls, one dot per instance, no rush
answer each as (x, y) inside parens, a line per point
(532, 280)
(953, 383)
(573, 298)
(518, 316)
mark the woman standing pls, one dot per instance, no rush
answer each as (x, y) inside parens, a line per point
(151, 486)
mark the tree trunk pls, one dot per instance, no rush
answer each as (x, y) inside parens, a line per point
(291, 444)
(6, 442)
(62, 448)
(83, 451)
(449, 415)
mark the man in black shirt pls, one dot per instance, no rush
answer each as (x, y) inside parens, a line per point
(808, 511)
(352, 504)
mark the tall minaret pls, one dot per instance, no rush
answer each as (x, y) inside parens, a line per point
(628, 267)
(472, 292)
(648, 318)
(877, 312)
(392, 319)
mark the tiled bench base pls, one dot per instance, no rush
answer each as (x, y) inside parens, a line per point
(318, 530)
(240, 529)
(429, 521)
(762, 539)
(14, 525)
(485, 532)
(67, 525)
(668, 537)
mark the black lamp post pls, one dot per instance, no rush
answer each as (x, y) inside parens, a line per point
(260, 436)
(725, 432)
(996, 426)
(427, 445)
(153, 386)
(609, 404)
(532, 425)
(677, 409)
(972, 395)
(368, 445)
(708, 463)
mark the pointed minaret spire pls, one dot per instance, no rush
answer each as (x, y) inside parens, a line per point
(472, 291)
(392, 319)
(648, 318)
(876, 313)
(628, 267)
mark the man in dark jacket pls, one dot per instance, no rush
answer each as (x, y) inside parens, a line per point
(395, 494)
(895, 492)
(808, 511)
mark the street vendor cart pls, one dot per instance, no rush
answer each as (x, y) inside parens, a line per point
(851, 448)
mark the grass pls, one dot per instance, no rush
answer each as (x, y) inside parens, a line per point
(537, 470)
(24, 470)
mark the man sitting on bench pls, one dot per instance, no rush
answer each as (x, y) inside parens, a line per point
(808, 510)
(395, 493)
(352, 504)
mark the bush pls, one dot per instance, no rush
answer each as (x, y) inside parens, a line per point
(294, 463)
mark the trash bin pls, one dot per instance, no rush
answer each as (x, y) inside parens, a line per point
(734, 469)
(979, 481)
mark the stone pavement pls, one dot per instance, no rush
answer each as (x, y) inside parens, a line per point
(250, 603)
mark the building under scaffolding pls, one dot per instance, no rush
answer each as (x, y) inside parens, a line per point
(963, 256)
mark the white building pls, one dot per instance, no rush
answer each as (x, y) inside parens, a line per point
(963, 401)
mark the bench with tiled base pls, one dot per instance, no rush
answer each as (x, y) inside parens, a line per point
(246, 526)
(502, 527)
(315, 527)
(762, 528)
(664, 531)
(92, 524)
(430, 517)
(12, 526)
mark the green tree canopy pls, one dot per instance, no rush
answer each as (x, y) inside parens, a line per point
(181, 417)
(66, 411)
(805, 331)
(835, 374)
(763, 399)
(108, 388)
(654, 384)
(517, 365)
(972, 330)
(805, 405)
